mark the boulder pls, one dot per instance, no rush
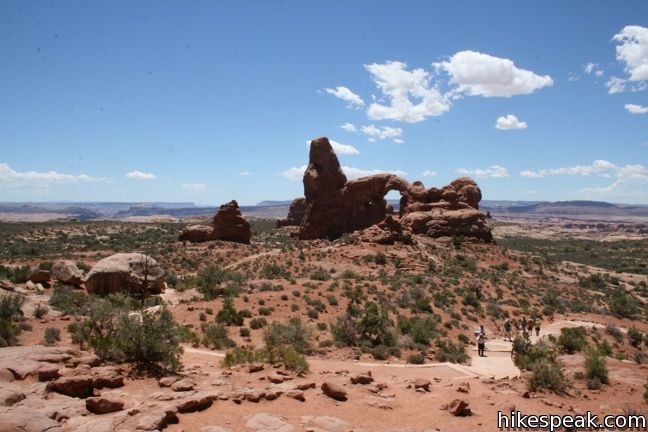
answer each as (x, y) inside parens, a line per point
(269, 423)
(39, 277)
(79, 386)
(107, 377)
(334, 391)
(182, 385)
(10, 396)
(295, 213)
(104, 405)
(459, 408)
(230, 225)
(362, 378)
(27, 420)
(422, 383)
(197, 233)
(196, 402)
(158, 419)
(130, 272)
(67, 272)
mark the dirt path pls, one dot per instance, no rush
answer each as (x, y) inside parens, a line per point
(251, 258)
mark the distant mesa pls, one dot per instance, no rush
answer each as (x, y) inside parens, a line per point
(334, 206)
(228, 225)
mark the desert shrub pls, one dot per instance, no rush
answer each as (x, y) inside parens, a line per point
(380, 258)
(421, 329)
(265, 311)
(284, 354)
(210, 280)
(150, 340)
(52, 335)
(244, 332)
(228, 315)
(604, 349)
(615, 332)
(622, 304)
(594, 383)
(416, 358)
(635, 337)
(274, 271)
(333, 301)
(19, 274)
(202, 316)
(320, 275)
(68, 301)
(215, 336)
(40, 311)
(572, 339)
(10, 317)
(293, 333)
(257, 323)
(596, 366)
(546, 374)
(526, 354)
(321, 326)
(448, 351)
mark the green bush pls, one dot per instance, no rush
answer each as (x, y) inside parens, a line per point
(257, 323)
(215, 336)
(40, 311)
(286, 355)
(572, 339)
(635, 337)
(10, 317)
(546, 374)
(52, 335)
(416, 358)
(228, 315)
(596, 366)
(448, 351)
(623, 305)
(294, 333)
(19, 274)
(210, 279)
(150, 340)
(68, 301)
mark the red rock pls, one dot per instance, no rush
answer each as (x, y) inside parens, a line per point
(230, 225)
(67, 272)
(295, 213)
(334, 391)
(459, 408)
(197, 233)
(75, 386)
(104, 405)
(132, 272)
(363, 379)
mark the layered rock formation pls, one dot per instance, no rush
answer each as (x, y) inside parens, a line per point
(333, 206)
(229, 225)
(125, 272)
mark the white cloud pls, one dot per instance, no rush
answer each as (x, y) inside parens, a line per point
(382, 133)
(11, 177)
(601, 168)
(399, 141)
(398, 85)
(341, 149)
(139, 175)
(633, 51)
(349, 127)
(354, 173)
(615, 85)
(346, 95)
(510, 122)
(493, 171)
(428, 173)
(297, 173)
(294, 173)
(194, 188)
(636, 109)
(478, 74)
(593, 68)
(245, 173)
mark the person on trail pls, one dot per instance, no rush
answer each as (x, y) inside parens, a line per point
(481, 343)
(537, 326)
(523, 324)
(507, 330)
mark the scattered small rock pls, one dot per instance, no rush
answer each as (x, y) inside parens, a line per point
(104, 405)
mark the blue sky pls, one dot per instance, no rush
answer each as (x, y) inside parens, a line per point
(215, 100)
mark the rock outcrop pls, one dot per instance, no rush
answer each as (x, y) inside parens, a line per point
(334, 206)
(229, 225)
(67, 272)
(128, 272)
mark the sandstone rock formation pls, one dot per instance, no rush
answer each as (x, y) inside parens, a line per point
(67, 272)
(229, 225)
(129, 272)
(333, 206)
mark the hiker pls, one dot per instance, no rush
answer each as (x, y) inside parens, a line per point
(507, 330)
(537, 326)
(523, 324)
(481, 343)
